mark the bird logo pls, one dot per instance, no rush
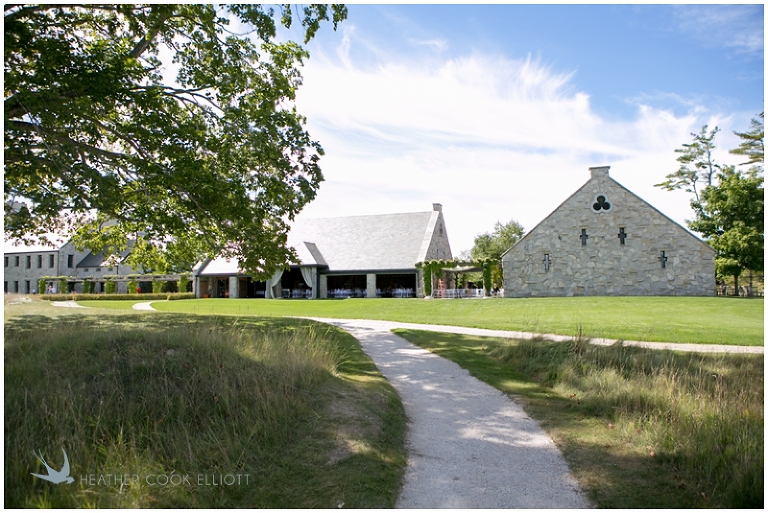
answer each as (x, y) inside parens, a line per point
(56, 476)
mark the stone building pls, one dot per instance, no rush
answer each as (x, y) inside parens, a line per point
(358, 256)
(606, 241)
(25, 265)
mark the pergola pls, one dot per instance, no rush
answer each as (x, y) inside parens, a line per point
(454, 267)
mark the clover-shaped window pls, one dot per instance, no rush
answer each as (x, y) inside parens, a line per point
(601, 203)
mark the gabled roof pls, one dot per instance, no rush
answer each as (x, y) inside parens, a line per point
(101, 260)
(380, 242)
(309, 254)
(603, 171)
(358, 243)
(220, 266)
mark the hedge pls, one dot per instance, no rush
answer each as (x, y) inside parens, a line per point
(114, 297)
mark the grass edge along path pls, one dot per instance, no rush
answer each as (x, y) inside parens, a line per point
(694, 320)
(295, 404)
(639, 428)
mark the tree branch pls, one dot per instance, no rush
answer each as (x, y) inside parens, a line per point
(25, 126)
(142, 45)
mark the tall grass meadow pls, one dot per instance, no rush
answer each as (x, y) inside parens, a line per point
(701, 414)
(163, 397)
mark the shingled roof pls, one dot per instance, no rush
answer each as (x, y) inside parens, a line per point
(387, 242)
(379, 242)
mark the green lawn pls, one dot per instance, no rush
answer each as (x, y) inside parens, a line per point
(698, 320)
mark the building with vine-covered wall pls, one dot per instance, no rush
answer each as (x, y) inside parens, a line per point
(25, 265)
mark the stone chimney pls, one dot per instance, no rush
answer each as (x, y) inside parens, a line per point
(437, 207)
(599, 171)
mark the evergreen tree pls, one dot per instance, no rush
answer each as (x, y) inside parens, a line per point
(728, 203)
(752, 145)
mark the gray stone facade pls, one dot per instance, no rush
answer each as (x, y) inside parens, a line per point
(24, 266)
(435, 245)
(606, 241)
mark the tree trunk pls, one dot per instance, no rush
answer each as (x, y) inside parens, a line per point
(735, 284)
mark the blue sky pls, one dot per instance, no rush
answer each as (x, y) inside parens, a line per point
(498, 111)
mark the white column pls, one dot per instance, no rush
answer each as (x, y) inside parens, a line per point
(233, 287)
(371, 285)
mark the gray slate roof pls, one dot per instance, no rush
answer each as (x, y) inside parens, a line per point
(100, 260)
(379, 242)
(358, 243)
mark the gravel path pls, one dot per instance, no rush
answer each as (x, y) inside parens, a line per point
(469, 445)
(66, 304)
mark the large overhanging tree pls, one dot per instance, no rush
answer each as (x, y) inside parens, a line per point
(216, 158)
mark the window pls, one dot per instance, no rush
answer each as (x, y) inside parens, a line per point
(29, 261)
(27, 288)
(39, 261)
(51, 260)
(583, 236)
(6, 261)
(70, 260)
(5, 284)
(98, 269)
(663, 259)
(601, 203)
(16, 264)
(622, 236)
(16, 286)
(85, 270)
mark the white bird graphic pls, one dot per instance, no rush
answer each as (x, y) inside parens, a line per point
(56, 476)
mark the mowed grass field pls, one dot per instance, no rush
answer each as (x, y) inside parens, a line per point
(697, 320)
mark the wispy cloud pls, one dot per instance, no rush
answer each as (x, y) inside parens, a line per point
(435, 44)
(730, 26)
(489, 137)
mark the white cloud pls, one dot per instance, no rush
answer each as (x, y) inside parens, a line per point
(492, 139)
(730, 26)
(435, 44)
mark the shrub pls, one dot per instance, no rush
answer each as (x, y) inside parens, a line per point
(487, 271)
(183, 283)
(116, 297)
(168, 286)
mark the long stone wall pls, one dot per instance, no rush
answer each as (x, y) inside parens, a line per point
(578, 250)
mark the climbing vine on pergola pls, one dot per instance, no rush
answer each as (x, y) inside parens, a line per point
(430, 267)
